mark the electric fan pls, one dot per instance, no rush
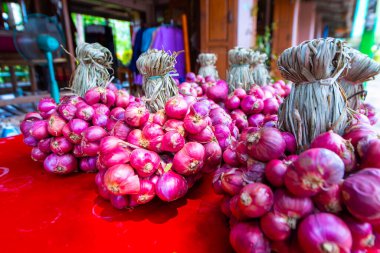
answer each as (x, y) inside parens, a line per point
(39, 40)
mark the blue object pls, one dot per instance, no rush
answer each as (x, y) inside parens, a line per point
(147, 39)
(9, 130)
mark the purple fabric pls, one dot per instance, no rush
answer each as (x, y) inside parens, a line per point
(171, 39)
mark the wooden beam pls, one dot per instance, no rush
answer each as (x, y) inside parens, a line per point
(13, 79)
(186, 43)
(69, 37)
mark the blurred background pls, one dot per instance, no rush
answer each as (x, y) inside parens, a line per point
(130, 27)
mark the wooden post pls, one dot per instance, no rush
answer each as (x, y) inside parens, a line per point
(13, 79)
(33, 81)
(186, 43)
(69, 37)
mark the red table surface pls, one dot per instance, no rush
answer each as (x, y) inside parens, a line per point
(40, 212)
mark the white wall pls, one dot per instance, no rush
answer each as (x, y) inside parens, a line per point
(246, 24)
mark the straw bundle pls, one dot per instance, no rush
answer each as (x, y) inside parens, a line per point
(239, 74)
(94, 61)
(207, 62)
(362, 69)
(316, 103)
(158, 86)
(260, 74)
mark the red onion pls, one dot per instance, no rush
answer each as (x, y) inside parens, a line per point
(32, 116)
(120, 130)
(171, 186)
(329, 200)
(266, 144)
(213, 153)
(103, 192)
(189, 160)
(100, 120)
(291, 158)
(146, 194)
(88, 164)
(235, 132)
(191, 99)
(119, 201)
(358, 132)
(108, 98)
(136, 138)
(205, 136)
(159, 117)
(247, 132)
(190, 77)
(270, 117)
(293, 207)
(232, 181)
(122, 99)
(363, 145)
(176, 108)
(275, 172)
(109, 143)
(63, 164)
(174, 125)
(60, 145)
(218, 91)
(225, 206)
(255, 200)
(232, 102)
(39, 130)
(78, 151)
(251, 105)
(46, 105)
(246, 237)
(172, 142)
(117, 155)
(314, 170)
(201, 108)
(85, 112)
(256, 120)
(192, 179)
(121, 179)
(94, 133)
(136, 115)
(240, 93)
(194, 124)
(145, 162)
(241, 153)
(44, 145)
(74, 129)
(275, 226)
(55, 125)
(360, 193)
(219, 116)
(290, 141)
(230, 157)
(90, 148)
(240, 119)
(93, 95)
(370, 158)
(256, 91)
(118, 113)
(236, 213)
(37, 155)
(270, 106)
(223, 135)
(359, 119)
(216, 181)
(254, 172)
(324, 232)
(67, 110)
(338, 145)
(26, 125)
(362, 233)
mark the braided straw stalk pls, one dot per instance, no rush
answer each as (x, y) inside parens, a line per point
(362, 69)
(207, 62)
(315, 105)
(94, 61)
(260, 74)
(158, 85)
(239, 73)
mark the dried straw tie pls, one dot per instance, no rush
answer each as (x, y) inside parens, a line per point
(362, 69)
(158, 86)
(316, 103)
(207, 62)
(94, 61)
(260, 74)
(239, 74)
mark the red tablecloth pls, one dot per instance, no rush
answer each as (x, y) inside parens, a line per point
(40, 212)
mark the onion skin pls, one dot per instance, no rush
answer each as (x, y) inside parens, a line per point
(121, 179)
(46, 105)
(254, 172)
(39, 130)
(119, 201)
(230, 157)
(290, 141)
(246, 237)
(223, 135)
(216, 181)
(159, 117)
(85, 112)
(256, 91)
(242, 153)
(55, 125)
(275, 226)
(240, 119)
(270, 106)
(63, 164)
(44, 145)
(122, 99)
(232, 102)
(145, 162)
(213, 153)
(256, 120)
(314, 170)
(172, 142)
(94, 133)
(266, 144)
(218, 91)
(357, 132)
(176, 108)
(60, 145)
(329, 200)
(232, 181)
(118, 155)
(88, 164)
(189, 160)
(118, 113)
(360, 193)
(205, 136)
(362, 233)
(171, 186)
(324, 232)
(194, 123)
(275, 172)
(338, 145)
(225, 206)
(136, 138)
(174, 125)
(120, 130)
(37, 155)
(255, 200)
(293, 207)
(370, 158)
(146, 194)
(136, 115)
